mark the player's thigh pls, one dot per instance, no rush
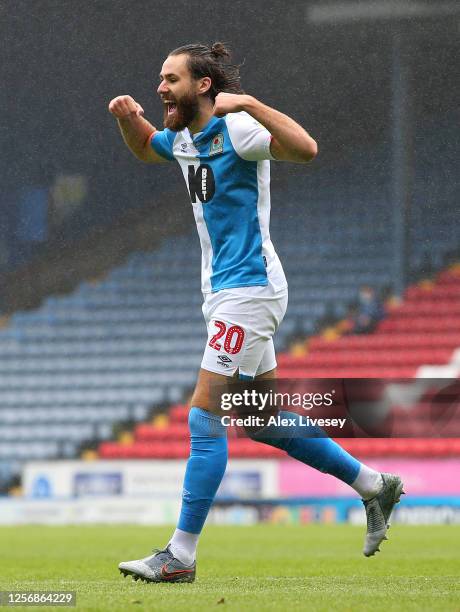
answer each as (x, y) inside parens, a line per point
(205, 390)
(203, 396)
(208, 382)
(240, 357)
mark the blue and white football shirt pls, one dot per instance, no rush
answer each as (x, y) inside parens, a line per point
(227, 171)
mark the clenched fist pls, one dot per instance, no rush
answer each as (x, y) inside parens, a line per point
(229, 103)
(123, 107)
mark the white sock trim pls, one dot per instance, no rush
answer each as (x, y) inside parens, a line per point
(183, 546)
(368, 483)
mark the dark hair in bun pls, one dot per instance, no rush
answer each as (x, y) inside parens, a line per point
(219, 51)
(214, 62)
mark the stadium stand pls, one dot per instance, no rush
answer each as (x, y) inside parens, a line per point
(405, 353)
(84, 366)
(421, 331)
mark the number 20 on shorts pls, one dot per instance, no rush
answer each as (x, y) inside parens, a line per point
(233, 341)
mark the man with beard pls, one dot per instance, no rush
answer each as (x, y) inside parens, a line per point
(223, 141)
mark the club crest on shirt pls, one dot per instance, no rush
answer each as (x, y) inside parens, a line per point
(217, 144)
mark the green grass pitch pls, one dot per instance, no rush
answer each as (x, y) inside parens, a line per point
(265, 567)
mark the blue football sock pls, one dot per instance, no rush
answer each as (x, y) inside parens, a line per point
(308, 445)
(205, 468)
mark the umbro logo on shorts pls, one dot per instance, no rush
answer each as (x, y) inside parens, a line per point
(223, 360)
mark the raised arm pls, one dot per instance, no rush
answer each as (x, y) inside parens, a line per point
(290, 142)
(136, 131)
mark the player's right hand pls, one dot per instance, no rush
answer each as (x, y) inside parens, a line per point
(123, 107)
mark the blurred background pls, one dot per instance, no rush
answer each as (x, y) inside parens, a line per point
(101, 331)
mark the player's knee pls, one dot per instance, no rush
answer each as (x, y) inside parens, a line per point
(200, 399)
(286, 430)
(271, 438)
(270, 433)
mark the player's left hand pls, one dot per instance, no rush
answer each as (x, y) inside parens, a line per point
(228, 103)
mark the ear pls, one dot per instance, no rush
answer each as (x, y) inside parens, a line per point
(204, 85)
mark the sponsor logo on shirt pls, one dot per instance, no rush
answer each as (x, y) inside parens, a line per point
(201, 183)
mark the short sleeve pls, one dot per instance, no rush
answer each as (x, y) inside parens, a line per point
(250, 139)
(162, 143)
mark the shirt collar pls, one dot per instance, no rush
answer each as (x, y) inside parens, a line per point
(213, 127)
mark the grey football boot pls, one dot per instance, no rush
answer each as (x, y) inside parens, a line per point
(162, 566)
(378, 512)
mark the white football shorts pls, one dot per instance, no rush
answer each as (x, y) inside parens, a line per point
(241, 323)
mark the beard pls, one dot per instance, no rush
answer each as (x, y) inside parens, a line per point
(186, 110)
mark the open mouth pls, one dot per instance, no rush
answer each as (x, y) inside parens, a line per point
(171, 107)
